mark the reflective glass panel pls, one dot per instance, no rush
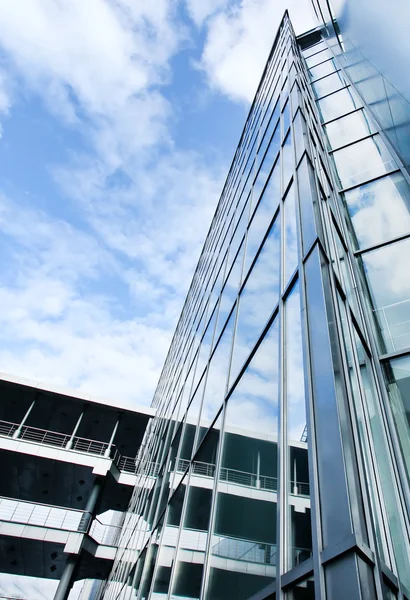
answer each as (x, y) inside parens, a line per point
(318, 58)
(217, 378)
(349, 129)
(338, 104)
(328, 84)
(290, 234)
(287, 161)
(323, 69)
(299, 528)
(230, 291)
(387, 272)
(192, 543)
(286, 118)
(269, 131)
(243, 545)
(363, 160)
(263, 216)
(266, 166)
(385, 203)
(398, 373)
(258, 298)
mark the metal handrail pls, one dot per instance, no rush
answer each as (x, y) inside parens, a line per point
(43, 515)
(53, 438)
(7, 428)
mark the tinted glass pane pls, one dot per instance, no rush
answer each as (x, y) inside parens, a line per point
(385, 203)
(363, 160)
(258, 299)
(300, 536)
(349, 129)
(387, 271)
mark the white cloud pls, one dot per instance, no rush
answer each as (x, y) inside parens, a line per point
(239, 40)
(200, 10)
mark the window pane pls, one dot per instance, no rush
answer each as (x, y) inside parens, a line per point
(291, 245)
(387, 271)
(266, 166)
(300, 535)
(217, 379)
(286, 118)
(318, 58)
(258, 299)
(287, 161)
(323, 69)
(363, 160)
(263, 216)
(307, 198)
(349, 129)
(385, 203)
(398, 373)
(243, 546)
(338, 104)
(328, 84)
(188, 572)
(269, 131)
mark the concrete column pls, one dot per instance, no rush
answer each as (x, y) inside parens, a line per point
(91, 504)
(66, 581)
(110, 443)
(16, 434)
(77, 425)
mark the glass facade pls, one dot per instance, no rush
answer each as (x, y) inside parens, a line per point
(278, 463)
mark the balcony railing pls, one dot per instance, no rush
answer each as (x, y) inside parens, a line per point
(57, 517)
(53, 438)
(244, 478)
(43, 515)
(246, 550)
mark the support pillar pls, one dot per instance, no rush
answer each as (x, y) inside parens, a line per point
(110, 443)
(89, 511)
(66, 581)
(17, 433)
(77, 425)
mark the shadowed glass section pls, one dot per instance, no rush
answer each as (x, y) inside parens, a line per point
(243, 544)
(298, 516)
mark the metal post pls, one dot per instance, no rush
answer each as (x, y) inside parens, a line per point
(16, 434)
(77, 425)
(90, 506)
(66, 581)
(110, 443)
(258, 471)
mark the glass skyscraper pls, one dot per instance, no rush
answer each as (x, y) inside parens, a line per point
(278, 464)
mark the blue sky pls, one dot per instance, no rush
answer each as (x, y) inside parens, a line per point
(119, 120)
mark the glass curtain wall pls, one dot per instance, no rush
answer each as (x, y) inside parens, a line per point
(277, 465)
